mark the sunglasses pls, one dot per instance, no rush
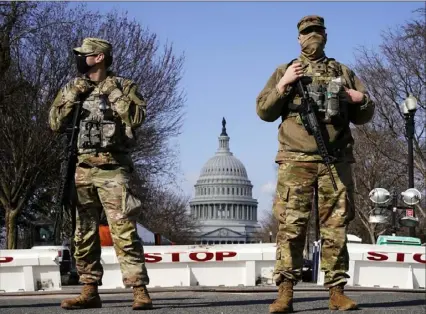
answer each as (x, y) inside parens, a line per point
(311, 29)
(87, 54)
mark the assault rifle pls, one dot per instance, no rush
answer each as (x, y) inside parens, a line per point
(65, 197)
(309, 119)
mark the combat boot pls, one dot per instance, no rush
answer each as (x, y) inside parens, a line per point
(142, 300)
(88, 299)
(284, 301)
(338, 301)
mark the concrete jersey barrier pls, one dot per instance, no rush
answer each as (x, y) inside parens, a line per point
(229, 265)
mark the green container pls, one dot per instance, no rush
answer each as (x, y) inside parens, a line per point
(398, 240)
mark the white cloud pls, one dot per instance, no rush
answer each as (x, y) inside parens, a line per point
(268, 188)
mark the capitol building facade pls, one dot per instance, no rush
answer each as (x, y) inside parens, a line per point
(223, 202)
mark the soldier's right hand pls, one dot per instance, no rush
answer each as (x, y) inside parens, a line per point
(293, 72)
(81, 86)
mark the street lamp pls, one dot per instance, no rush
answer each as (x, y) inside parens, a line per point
(410, 197)
(409, 107)
(379, 196)
(383, 203)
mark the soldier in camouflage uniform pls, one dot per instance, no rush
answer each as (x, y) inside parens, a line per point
(112, 108)
(300, 166)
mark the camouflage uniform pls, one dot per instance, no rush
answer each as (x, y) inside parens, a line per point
(103, 168)
(300, 168)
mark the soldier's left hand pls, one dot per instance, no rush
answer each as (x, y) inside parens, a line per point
(108, 86)
(354, 96)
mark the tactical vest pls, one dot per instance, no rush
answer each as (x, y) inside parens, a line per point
(326, 83)
(101, 129)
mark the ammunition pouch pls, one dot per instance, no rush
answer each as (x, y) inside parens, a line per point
(90, 134)
(97, 134)
(326, 100)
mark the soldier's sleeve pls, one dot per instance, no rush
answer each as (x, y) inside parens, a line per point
(363, 112)
(270, 102)
(61, 108)
(131, 106)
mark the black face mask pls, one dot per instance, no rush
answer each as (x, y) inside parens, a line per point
(82, 65)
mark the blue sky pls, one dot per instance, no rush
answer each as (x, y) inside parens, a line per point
(231, 50)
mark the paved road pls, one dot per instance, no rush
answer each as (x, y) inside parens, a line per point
(202, 302)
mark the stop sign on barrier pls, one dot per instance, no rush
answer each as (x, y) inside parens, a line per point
(6, 259)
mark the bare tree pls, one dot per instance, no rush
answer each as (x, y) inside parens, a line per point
(393, 73)
(166, 212)
(25, 151)
(138, 55)
(268, 224)
(390, 75)
(37, 60)
(379, 164)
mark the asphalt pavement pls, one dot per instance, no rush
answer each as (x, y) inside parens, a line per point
(219, 302)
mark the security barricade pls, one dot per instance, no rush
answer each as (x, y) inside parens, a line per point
(228, 265)
(29, 270)
(385, 266)
(183, 266)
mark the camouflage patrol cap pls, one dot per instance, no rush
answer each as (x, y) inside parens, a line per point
(310, 20)
(94, 46)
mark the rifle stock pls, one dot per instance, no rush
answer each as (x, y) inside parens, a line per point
(310, 121)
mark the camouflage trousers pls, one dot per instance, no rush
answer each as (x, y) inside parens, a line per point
(292, 208)
(106, 188)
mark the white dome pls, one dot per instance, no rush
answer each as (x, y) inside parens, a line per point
(223, 201)
(222, 173)
(224, 165)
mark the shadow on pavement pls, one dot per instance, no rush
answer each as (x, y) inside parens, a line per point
(395, 303)
(202, 302)
(226, 303)
(364, 306)
(128, 300)
(165, 303)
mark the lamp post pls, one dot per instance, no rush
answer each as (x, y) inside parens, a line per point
(385, 202)
(409, 107)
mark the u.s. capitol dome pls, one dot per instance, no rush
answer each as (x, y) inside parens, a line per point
(223, 202)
